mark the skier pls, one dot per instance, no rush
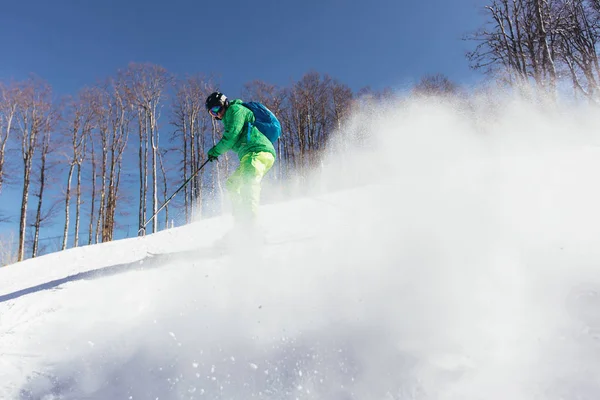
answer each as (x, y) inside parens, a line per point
(256, 155)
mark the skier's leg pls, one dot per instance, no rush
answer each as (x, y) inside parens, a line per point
(244, 187)
(255, 168)
(234, 185)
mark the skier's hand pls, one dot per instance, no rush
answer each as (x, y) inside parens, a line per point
(212, 156)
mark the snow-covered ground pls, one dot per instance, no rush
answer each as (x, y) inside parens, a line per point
(466, 268)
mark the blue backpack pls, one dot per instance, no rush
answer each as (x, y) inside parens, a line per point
(265, 121)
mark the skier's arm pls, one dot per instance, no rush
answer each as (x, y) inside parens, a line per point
(234, 123)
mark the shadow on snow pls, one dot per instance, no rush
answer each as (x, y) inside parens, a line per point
(149, 262)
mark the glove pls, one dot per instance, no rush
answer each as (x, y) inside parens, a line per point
(212, 156)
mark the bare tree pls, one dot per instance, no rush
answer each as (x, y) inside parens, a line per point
(192, 125)
(120, 122)
(105, 112)
(45, 168)
(81, 119)
(115, 116)
(145, 86)
(341, 96)
(8, 109)
(543, 18)
(308, 119)
(165, 183)
(32, 116)
(270, 95)
(94, 177)
(142, 164)
(578, 34)
(184, 118)
(342, 100)
(435, 85)
(501, 41)
(538, 40)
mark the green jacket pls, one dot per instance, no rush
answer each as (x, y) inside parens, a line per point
(236, 136)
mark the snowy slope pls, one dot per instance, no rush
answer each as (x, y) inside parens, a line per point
(467, 269)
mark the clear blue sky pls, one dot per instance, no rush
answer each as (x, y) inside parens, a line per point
(377, 43)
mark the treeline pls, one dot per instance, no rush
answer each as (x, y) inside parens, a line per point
(541, 43)
(85, 161)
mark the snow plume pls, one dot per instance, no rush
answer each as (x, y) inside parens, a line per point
(459, 262)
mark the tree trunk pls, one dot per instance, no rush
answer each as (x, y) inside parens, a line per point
(102, 200)
(23, 218)
(67, 206)
(38, 214)
(7, 111)
(78, 207)
(142, 170)
(92, 196)
(165, 189)
(29, 131)
(543, 37)
(154, 144)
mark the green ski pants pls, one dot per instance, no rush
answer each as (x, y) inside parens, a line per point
(244, 185)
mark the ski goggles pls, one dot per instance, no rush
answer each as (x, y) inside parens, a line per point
(215, 111)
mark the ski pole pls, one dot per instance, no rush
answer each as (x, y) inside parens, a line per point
(143, 228)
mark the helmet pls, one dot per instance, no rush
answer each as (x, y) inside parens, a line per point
(216, 99)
